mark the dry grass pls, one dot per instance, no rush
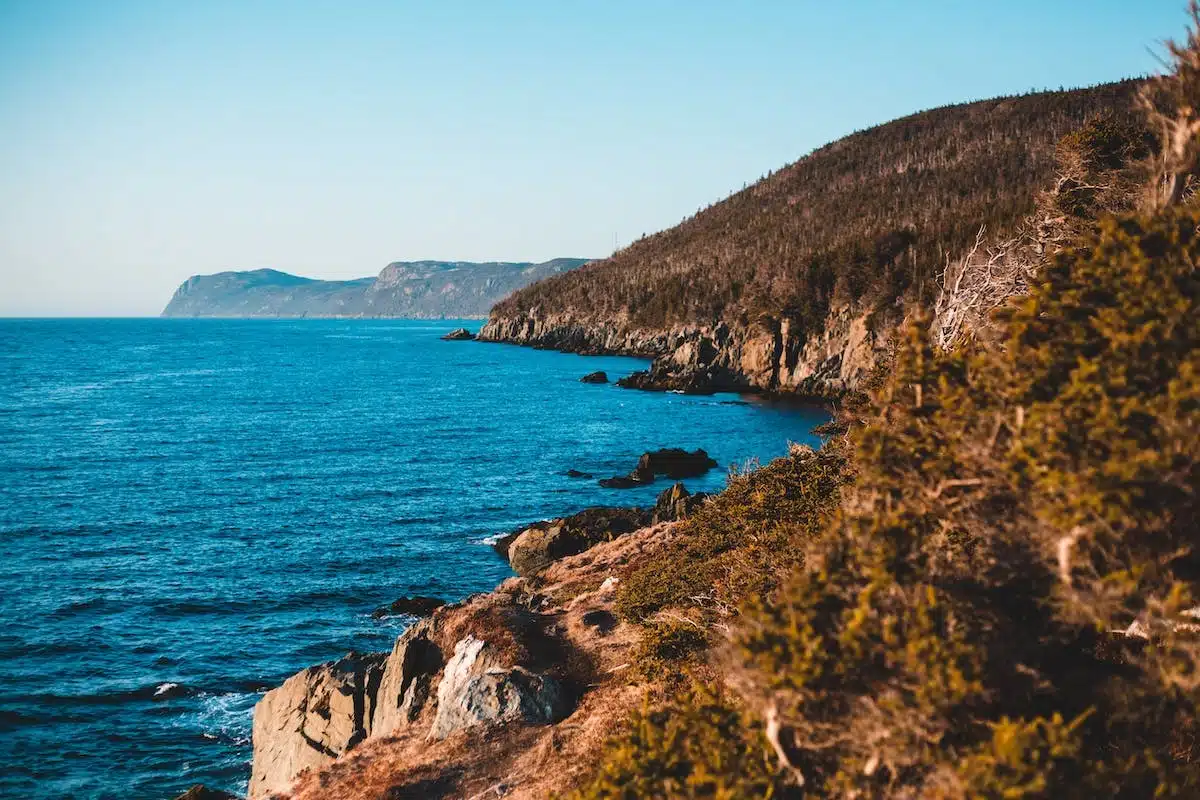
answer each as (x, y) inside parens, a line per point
(565, 614)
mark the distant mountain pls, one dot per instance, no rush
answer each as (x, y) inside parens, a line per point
(417, 289)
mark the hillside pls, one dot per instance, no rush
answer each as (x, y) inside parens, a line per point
(420, 289)
(791, 283)
(984, 584)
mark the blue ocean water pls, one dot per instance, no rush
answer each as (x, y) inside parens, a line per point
(192, 510)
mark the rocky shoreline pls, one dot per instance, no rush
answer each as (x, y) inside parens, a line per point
(497, 669)
(469, 686)
(765, 356)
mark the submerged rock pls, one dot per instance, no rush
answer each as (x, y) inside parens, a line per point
(314, 717)
(625, 481)
(535, 547)
(574, 473)
(474, 691)
(600, 376)
(458, 335)
(417, 606)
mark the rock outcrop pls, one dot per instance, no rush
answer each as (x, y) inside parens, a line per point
(408, 679)
(458, 335)
(672, 462)
(475, 691)
(766, 356)
(473, 682)
(536, 546)
(600, 376)
(489, 662)
(314, 717)
(676, 503)
(415, 606)
(504, 694)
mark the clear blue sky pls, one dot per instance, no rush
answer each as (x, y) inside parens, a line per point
(145, 141)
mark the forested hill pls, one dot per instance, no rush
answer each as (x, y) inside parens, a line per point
(857, 224)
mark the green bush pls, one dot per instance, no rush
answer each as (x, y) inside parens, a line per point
(945, 633)
(664, 644)
(697, 745)
(1011, 506)
(741, 540)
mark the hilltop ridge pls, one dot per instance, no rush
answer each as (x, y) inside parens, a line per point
(794, 283)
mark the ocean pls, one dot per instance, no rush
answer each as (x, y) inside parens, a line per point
(193, 510)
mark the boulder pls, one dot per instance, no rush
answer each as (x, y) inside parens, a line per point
(676, 503)
(666, 375)
(600, 376)
(458, 335)
(314, 717)
(574, 473)
(407, 680)
(416, 606)
(534, 548)
(675, 463)
(202, 792)
(671, 462)
(475, 691)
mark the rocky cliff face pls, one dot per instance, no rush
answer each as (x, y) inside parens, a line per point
(768, 356)
(414, 289)
(314, 717)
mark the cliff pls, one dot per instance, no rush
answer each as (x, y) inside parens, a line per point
(414, 289)
(795, 283)
(768, 356)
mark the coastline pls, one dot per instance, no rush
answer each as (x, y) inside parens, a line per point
(482, 681)
(767, 356)
(324, 455)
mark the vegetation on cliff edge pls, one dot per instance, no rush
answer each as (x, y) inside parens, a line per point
(868, 219)
(998, 598)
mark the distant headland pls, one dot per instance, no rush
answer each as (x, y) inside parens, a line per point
(414, 289)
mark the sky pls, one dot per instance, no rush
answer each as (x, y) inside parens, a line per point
(145, 141)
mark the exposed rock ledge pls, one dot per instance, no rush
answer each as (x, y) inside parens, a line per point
(767, 356)
(468, 698)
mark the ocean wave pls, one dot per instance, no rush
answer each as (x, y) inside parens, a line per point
(292, 602)
(156, 692)
(226, 717)
(74, 607)
(23, 649)
(366, 494)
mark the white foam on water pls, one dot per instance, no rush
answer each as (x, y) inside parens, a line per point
(228, 716)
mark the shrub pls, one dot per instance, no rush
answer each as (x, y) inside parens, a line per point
(740, 541)
(697, 745)
(945, 632)
(664, 644)
(1011, 505)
